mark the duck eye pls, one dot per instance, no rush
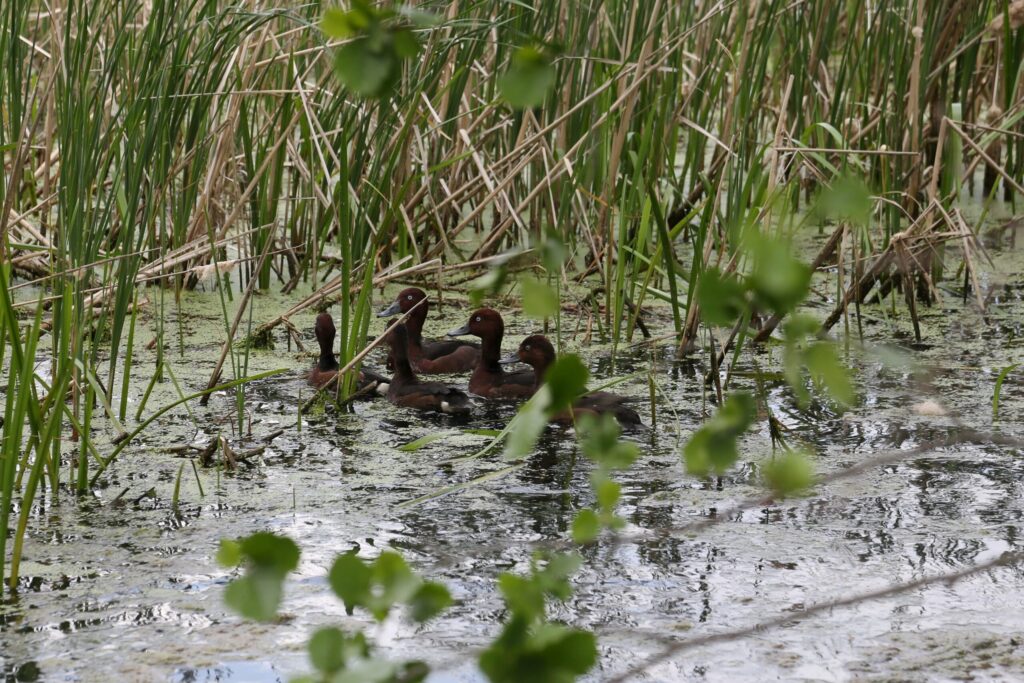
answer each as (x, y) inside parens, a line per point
(526, 348)
(409, 297)
(477, 319)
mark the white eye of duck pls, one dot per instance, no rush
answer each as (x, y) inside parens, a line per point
(477, 319)
(526, 348)
(409, 297)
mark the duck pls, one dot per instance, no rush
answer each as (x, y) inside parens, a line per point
(368, 381)
(489, 378)
(408, 391)
(537, 352)
(445, 356)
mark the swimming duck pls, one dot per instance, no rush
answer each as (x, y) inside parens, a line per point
(489, 379)
(537, 352)
(435, 357)
(327, 365)
(406, 390)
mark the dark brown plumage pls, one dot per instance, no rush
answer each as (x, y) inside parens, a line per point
(489, 379)
(435, 357)
(327, 365)
(408, 391)
(537, 352)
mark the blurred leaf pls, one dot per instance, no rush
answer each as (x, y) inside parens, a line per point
(848, 199)
(713, 447)
(599, 439)
(553, 252)
(721, 297)
(522, 595)
(406, 44)
(528, 79)
(419, 18)
(608, 492)
(586, 526)
(528, 424)
(429, 600)
(828, 372)
(566, 380)
(487, 284)
(539, 299)
(397, 582)
(779, 280)
(270, 551)
(789, 473)
(350, 580)
(256, 595)
(363, 70)
(327, 649)
(335, 23)
(229, 554)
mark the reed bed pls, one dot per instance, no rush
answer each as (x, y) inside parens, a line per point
(148, 146)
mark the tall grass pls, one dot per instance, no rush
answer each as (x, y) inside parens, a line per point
(148, 143)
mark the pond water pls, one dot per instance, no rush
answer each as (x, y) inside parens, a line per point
(120, 586)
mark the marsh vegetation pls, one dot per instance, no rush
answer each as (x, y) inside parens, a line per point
(784, 232)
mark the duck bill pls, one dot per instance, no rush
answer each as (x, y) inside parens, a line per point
(394, 309)
(459, 331)
(509, 359)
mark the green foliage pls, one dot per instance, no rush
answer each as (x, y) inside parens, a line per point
(268, 558)
(529, 77)
(778, 280)
(722, 298)
(382, 584)
(530, 647)
(380, 40)
(566, 380)
(847, 199)
(378, 586)
(789, 473)
(713, 447)
(817, 359)
(539, 299)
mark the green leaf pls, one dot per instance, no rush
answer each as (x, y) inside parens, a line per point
(553, 252)
(828, 372)
(599, 438)
(405, 42)
(713, 447)
(789, 473)
(327, 649)
(522, 595)
(229, 554)
(539, 300)
(780, 281)
(528, 79)
(722, 299)
(256, 595)
(429, 600)
(586, 526)
(270, 551)
(1003, 374)
(397, 582)
(566, 379)
(350, 580)
(570, 650)
(848, 199)
(527, 425)
(335, 23)
(608, 493)
(363, 70)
